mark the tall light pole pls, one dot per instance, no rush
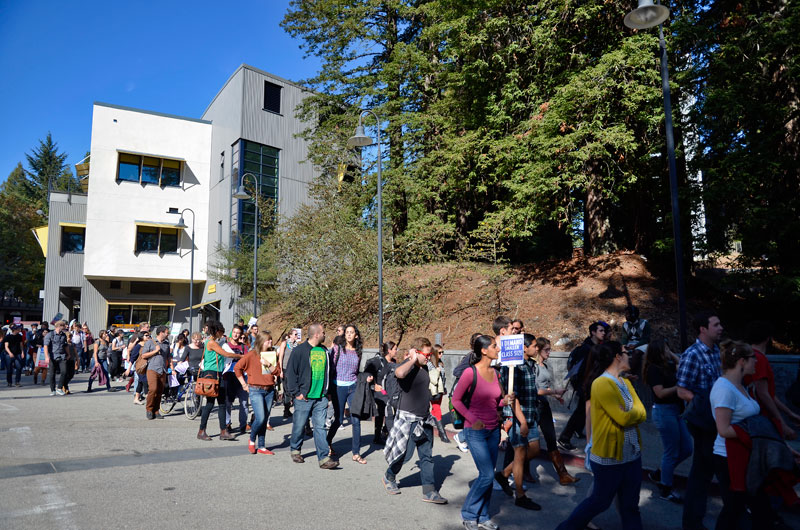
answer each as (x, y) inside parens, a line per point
(182, 225)
(243, 195)
(360, 139)
(649, 15)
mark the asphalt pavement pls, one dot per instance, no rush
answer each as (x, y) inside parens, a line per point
(92, 461)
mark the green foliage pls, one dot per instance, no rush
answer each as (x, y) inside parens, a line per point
(744, 76)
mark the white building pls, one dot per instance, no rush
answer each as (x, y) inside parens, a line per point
(117, 254)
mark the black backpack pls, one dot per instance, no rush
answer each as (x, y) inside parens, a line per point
(392, 388)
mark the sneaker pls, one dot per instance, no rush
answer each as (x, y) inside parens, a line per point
(503, 481)
(488, 525)
(59, 392)
(18, 384)
(329, 464)
(297, 458)
(527, 503)
(53, 393)
(471, 525)
(434, 498)
(462, 446)
(148, 415)
(655, 476)
(264, 451)
(390, 486)
(565, 446)
(251, 446)
(668, 494)
(158, 416)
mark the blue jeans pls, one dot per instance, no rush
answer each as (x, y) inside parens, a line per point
(261, 400)
(623, 481)
(344, 394)
(318, 410)
(104, 367)
(674, 436)
(13, 366)
(424, 445)
(483, 448)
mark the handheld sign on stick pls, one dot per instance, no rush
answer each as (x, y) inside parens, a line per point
(512, 353)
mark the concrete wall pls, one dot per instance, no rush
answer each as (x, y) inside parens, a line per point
(114, 206)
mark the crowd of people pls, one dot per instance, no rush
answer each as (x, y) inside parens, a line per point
(715, 402)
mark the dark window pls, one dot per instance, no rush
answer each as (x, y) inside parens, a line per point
(149, 170)
(169, 241)
(222, 166)
(149, 288)
(146, 239)
(262, 162)
(115, 284)
(119, 314)
(73, 239)
(153, 239)
(129, 167)
(170, 173)
(272, 97)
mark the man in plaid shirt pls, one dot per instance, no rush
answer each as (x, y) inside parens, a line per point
(699, 368)
(523, 435)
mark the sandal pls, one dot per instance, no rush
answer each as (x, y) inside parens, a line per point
(359, 459)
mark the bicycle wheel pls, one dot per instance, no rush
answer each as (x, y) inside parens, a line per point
(192, 403)
(167, 404)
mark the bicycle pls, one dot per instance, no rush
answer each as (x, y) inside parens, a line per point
(192, 403)
(185, 392)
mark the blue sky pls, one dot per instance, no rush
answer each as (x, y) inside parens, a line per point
(57, 58)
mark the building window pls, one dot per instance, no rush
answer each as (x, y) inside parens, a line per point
(73, 239)
(149, 170)
(115, 284)
(150, 288)
(222, 166)
(272, 97)
(153, 239)
(262, 162)
(125, 315)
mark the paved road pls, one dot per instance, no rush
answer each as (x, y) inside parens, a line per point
(89, 461)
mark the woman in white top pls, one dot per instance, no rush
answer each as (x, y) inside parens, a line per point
(730, 404)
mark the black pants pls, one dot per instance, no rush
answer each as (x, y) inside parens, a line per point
(700, 475)
(734, 503)
(60, 366)
(380, 416)
(546, 424)
(210, 401)
(577, 421)
(115, 359)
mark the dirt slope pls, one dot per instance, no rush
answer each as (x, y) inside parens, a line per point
(554, 299)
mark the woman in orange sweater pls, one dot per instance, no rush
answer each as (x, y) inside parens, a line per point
(262, 367)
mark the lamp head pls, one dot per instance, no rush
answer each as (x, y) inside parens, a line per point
(647, 15)
(181, 224)
(359, 138)
(241, 194)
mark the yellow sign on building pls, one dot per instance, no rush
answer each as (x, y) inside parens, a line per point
(212, 288)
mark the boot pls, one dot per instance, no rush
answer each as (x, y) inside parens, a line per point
(201, 435)
(564, 478)
(225, 435)
(128, 386)
(442, 435)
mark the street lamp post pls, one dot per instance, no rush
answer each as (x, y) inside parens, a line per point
(648, 15)
(182, 225)
(243, 195)
(360, 139)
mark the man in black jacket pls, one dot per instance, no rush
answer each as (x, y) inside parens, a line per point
(307, 379)
(597, 333)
